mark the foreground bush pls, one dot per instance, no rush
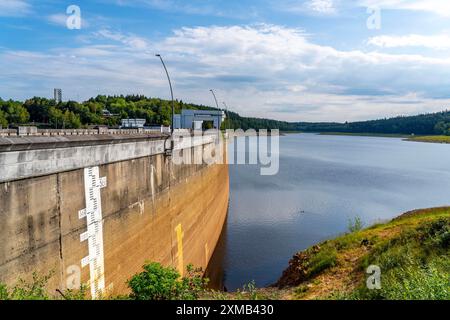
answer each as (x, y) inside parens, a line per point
(165, 283)
(23, 290)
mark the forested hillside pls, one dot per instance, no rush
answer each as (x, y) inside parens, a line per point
(102, 110)
(433, 123)
(109, 110)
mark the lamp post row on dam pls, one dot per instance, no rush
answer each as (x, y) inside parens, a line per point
(171, 92)
(215, 99)
(173, 102)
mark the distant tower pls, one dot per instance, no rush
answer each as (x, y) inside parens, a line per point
(57, 93)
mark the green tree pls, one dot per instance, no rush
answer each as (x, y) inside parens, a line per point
(3, 121)
(71, 121)
(443, 127)
(38, 108)
(56, 117)
(15, 112)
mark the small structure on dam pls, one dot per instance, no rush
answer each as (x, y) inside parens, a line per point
(193, 119)
(92, 206)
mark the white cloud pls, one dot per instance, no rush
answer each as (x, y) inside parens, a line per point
(131, 41)
(14, 8)
(439, 7)
(310, 7)
(60, 19)
(438, 42)
(322, 6)
(259, 70)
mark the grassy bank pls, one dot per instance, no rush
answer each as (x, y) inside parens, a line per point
(412, 252)
(430, 139)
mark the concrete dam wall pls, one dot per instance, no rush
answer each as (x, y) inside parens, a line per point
(93, 209)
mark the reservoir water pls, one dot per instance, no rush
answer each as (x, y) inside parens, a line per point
(323, 181)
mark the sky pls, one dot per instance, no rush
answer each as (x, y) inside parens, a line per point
(294, 60)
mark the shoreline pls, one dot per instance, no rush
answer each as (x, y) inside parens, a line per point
(430, 139)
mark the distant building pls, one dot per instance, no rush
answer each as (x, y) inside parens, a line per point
(133, 123)
(57, 95)
(194, 119)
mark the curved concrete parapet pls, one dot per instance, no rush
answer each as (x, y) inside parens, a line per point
(26, 157)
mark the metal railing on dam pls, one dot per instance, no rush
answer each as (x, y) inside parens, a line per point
(34, 131)
(92, 209)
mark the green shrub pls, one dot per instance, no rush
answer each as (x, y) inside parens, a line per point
(355, 224)
(194, 284)
(73, 294)
(251, 289)
(4, 295)
(160, 283)
(23, 290)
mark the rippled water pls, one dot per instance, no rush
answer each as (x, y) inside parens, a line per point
(323, 182)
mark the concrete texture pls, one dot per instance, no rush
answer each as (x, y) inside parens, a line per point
(152, 210)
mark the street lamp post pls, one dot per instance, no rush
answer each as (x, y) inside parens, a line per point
(217, 105)
(171, 93)
(214, 95)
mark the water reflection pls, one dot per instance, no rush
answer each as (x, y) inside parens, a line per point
(215, 271)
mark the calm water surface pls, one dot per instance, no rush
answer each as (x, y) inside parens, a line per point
(323, 182)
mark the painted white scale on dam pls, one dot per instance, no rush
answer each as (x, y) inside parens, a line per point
(94, 234)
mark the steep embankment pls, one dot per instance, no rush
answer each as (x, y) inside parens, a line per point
(412, 252)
